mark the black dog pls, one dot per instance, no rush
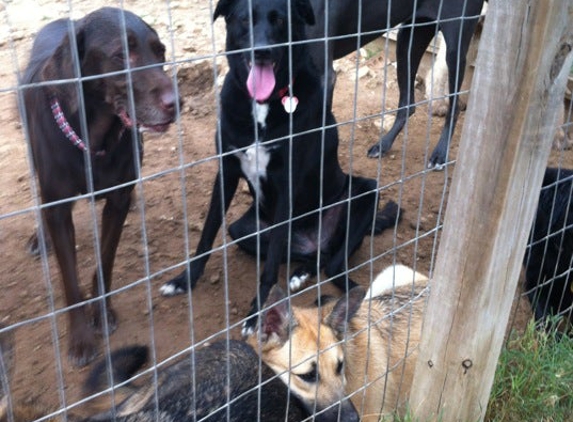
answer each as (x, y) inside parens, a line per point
(288, 178)
(419, 19)
(61, 144)
(548, 259)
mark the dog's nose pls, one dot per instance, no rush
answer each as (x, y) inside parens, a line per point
(169, 100)
(263, 55)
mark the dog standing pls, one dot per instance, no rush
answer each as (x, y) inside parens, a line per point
(549, 256)
(61, 145)
(271, 133)
(362, 346)
(421, 20)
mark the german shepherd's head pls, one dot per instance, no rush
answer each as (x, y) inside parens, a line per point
(309, 356)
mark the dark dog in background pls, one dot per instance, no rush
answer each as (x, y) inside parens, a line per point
(288, 178)
(549, 256)
(193, 388)
(421, 20)
(61, 144)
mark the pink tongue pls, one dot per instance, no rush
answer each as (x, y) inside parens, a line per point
(261, 82)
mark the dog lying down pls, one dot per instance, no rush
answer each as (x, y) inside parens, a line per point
(547, 261)
(304, 346)
(362, 346)
(225, 381)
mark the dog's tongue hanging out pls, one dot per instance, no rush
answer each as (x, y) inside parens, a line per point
(261, 82)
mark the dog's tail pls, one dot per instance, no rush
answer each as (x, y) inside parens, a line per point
(125, 363)
(393, 277)
(387, 217)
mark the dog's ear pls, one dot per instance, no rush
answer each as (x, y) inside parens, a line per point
(305, 11)
(276, 318)
(223, 8)
(61, 66)
(344, 310)
(125, 362)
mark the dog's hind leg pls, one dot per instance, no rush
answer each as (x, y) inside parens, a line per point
(456, 61)
(301, 274)
(246, 232)
(348, 238)
(410, 48)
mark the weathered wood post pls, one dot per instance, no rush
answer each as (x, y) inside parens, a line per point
(523, 61)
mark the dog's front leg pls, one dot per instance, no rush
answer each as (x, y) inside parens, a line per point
(225, 187)
(82, 347)
(113, 217)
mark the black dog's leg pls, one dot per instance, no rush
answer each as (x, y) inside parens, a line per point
(363, 215)
(413, 41)
(246, 232)
(456, 61)
(82, 347)
(188, 278)
(113, 217)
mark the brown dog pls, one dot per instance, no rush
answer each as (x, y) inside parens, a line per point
(362, 346)
(115, 105)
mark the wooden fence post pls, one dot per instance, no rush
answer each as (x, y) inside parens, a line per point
(523, 61)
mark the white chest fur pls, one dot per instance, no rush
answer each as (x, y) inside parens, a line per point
(261, 111)
(254, 162)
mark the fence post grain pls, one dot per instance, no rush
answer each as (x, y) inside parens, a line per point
(523, 61)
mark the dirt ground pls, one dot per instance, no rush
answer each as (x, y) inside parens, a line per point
(172, 199)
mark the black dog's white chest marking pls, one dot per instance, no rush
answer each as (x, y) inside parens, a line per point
(254, 161)
(261, 111)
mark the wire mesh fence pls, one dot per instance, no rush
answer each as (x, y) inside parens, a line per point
(171, 191)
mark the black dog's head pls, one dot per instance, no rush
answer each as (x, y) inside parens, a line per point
(260, 35)
(107, 41)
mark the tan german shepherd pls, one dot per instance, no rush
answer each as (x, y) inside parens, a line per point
(362, 346)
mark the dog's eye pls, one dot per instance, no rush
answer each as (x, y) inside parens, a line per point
(339, 367)
(309, 377)
(246, 20)
(275, 19)
(159, 50)
(119, 57)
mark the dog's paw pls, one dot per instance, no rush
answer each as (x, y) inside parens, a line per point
(34, 246)
(248, 328)
(82, 350)
(171, 289)
(178, 285)
(298, 280)
(436, 166)
(375, 151)
(100, 325)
